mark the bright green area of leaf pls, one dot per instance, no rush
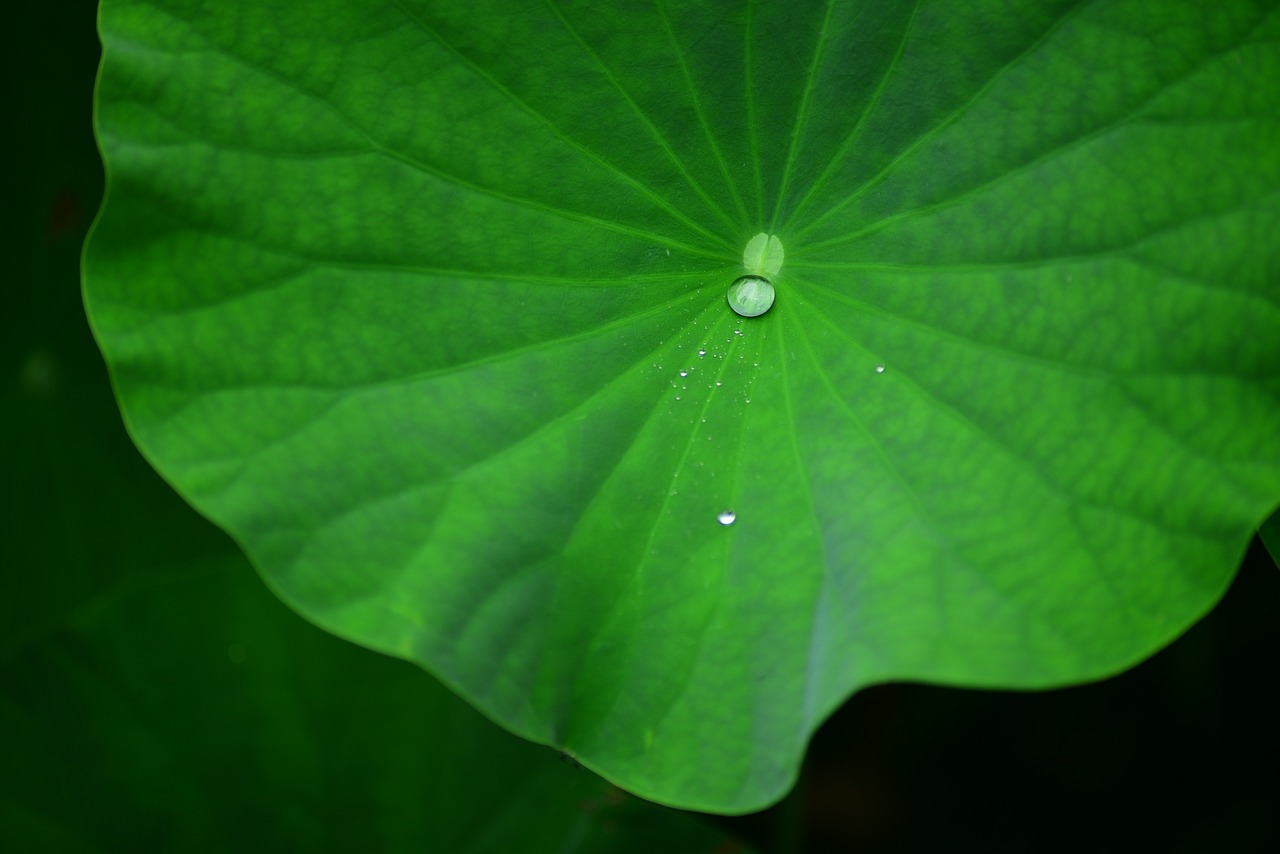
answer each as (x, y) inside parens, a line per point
(425, 303)
(763, 255)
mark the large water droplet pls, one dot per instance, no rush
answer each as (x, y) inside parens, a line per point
(726, 517)
(750, 296)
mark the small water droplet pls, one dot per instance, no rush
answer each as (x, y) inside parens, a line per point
(717, 382)
(737, 332)
(879, 369)
(702, 352)
(726, 517)
(684, 373)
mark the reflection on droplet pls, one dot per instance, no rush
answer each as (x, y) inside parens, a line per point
(726, 517)
(702, 352)
(684, 373)
(879, 369)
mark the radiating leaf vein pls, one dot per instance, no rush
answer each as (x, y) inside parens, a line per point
(942, 125)
(640, 186)
(674, 159)
(868, 110)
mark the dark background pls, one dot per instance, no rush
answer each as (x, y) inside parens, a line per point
(1180, 754)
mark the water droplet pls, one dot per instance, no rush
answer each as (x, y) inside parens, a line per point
(702, 352)
(879, 369)
(717, 382)
(750, 296)
(726, 517)
(684, 373)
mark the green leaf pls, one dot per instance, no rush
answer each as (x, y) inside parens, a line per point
(425, 303)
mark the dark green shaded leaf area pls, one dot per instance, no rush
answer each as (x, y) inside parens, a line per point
(192, 711)
(1269, 533)
(424, 303)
